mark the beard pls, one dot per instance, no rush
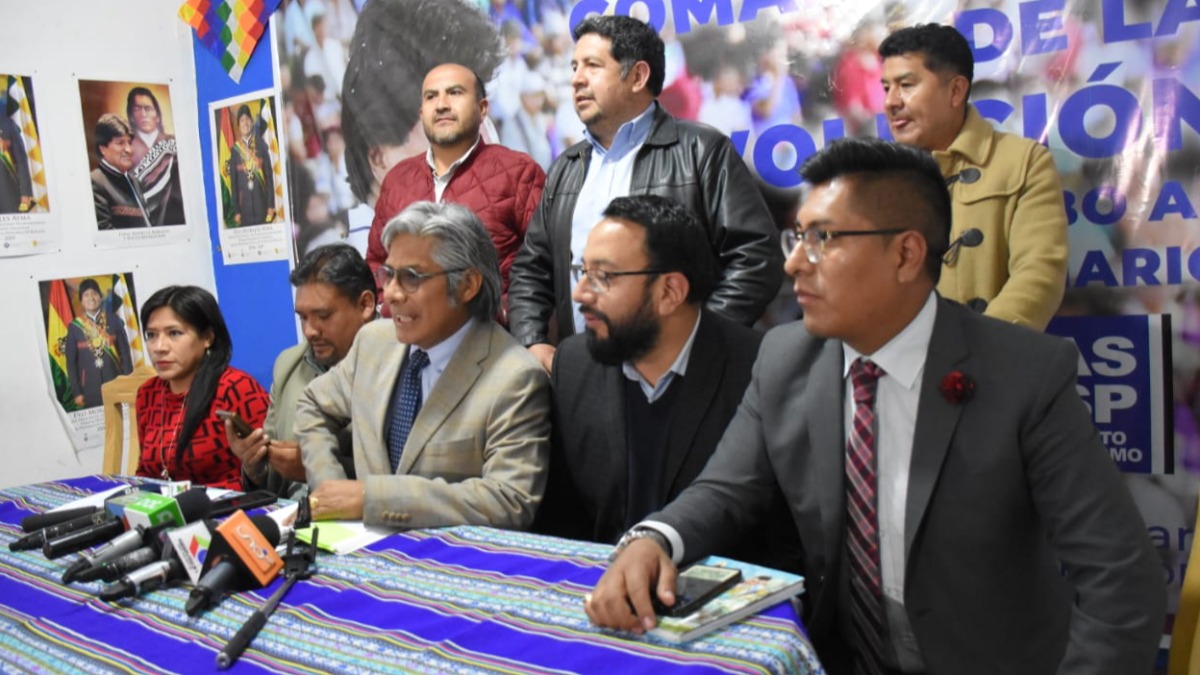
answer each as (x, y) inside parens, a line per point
(626, 341)
(451, 136)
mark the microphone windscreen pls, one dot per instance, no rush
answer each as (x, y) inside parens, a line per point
(972, 237)
(268, 527)
(194, 504)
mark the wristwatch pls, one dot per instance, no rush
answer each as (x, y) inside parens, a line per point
(640, 533)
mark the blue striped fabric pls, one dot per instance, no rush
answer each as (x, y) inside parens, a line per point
(462, 600)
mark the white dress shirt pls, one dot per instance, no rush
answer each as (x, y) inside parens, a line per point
(896, 401)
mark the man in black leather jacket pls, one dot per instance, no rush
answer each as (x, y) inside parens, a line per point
(635, 147)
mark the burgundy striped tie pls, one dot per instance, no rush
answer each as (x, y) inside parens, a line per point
(862, 540)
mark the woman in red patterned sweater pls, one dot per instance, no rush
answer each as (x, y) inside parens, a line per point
(181, 436)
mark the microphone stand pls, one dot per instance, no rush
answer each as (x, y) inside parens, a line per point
(297, 565)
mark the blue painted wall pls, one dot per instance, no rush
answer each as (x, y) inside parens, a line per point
(256, 298)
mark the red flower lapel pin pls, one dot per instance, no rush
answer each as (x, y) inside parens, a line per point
(957, 387)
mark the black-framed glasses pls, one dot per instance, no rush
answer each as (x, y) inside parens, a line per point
(409, 279)
(813, 239)
(599, 280)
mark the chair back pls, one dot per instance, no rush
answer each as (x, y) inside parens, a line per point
(1185, 634)
(116, 394)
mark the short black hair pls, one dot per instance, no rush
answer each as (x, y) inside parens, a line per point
(943, 49)
(396, 42)
(675, 240)
(108, 127)
(340, 266)
(894, 186)
(89, 284)
(244, 111)
(632, 41)
(142, 91)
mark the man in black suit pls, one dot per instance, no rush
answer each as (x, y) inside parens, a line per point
(998, 537)
(640, 399)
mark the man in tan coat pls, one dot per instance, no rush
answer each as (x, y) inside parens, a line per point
(1003, 185)
(450, 416)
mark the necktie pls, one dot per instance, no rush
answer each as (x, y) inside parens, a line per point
(862, 540)
(406, 404)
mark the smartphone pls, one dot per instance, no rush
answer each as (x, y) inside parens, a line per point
(240, 426)
(249, 500)
(695, 586)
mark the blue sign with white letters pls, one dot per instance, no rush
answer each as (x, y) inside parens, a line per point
(1123, 380)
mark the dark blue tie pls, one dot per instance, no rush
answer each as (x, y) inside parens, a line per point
(406, 404)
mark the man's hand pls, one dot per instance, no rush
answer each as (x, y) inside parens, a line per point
(622, 598)
(284, 457)
(544, 354)
(251, 450)
(338, 500)
(79, 400)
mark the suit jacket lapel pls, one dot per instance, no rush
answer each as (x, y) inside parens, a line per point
(826, 396)
(378, 462)
(937, 418)
(705, 366)
(458, 378)
(612, 458)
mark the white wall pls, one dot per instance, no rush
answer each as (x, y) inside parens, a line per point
(60, 41)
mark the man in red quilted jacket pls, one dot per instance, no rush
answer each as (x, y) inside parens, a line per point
(500, 185)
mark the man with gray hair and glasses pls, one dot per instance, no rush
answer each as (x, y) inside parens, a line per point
(450, 416)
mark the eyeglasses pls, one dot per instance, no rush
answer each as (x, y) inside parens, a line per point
(813, 239)
(409, 279)
(599, 280)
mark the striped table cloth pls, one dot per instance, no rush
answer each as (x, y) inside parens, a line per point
(454, 600)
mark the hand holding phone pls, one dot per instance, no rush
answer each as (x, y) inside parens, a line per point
(695, 586)
(240, 426)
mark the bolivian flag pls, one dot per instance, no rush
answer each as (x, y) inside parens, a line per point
(58, 318)
(225, 140)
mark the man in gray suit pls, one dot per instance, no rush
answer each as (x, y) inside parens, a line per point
(449, 415)
(999, 537)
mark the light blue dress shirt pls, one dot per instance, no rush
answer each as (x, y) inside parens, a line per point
(609, 174)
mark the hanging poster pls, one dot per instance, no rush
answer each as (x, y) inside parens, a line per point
(92, 335)
(27, 224)
(134, 163)
(249, 173)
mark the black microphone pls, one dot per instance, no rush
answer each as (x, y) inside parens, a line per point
(50, 518)
(242, 556)
(144, 579)
(968, 239)
(38, 539)
(119, 546)
(153, 509)
(966, 177)
(149, 547)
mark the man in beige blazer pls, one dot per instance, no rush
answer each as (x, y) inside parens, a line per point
(480, 427)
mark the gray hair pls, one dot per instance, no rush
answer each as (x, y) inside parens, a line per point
(462, 243)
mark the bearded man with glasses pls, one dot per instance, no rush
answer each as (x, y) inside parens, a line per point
(450, 416)
(643, 395)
